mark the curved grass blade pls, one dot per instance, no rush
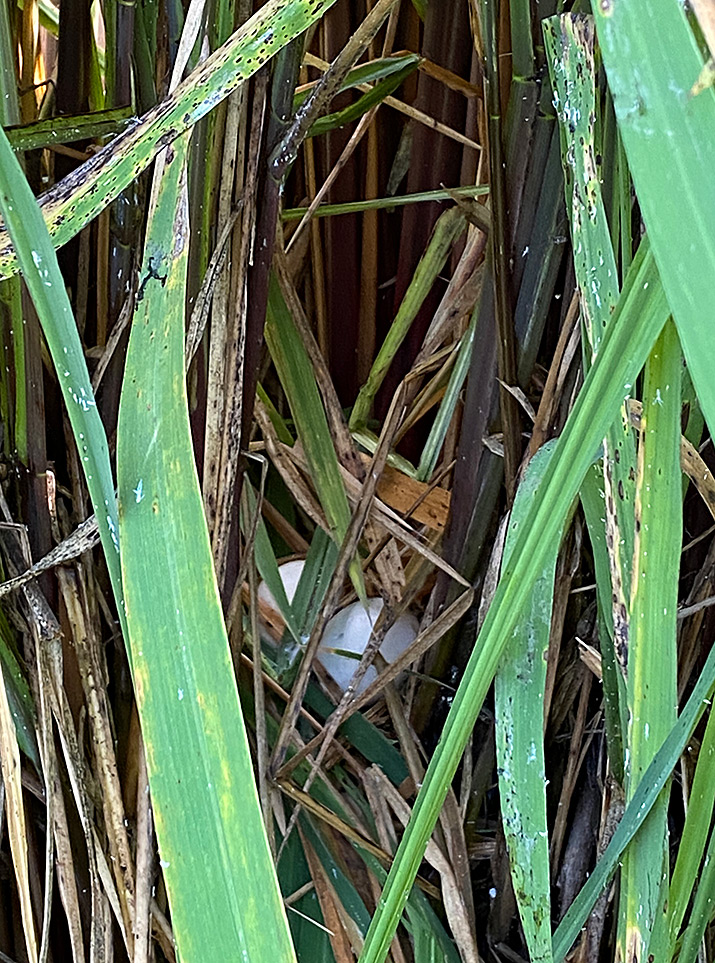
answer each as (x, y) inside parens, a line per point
(639, 318)
(298, 380)
(365, 102)
(652, 61)
(519, 715)
(72, 203)
(443, 419)
(37, 260)
(382, 203)
(446, 231)
(223, 893)
(367, 73)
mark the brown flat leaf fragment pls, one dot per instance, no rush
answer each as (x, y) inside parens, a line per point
(400, 492)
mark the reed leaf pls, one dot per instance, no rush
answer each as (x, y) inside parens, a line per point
(652, 657)
(298, 381)
(446, 231)
(37, 260)
(519, 718)
(224, 896)
(653, 61)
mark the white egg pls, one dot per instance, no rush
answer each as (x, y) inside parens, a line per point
(290, 573)
(349, 631)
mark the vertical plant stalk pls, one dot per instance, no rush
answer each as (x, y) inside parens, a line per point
(499, 241)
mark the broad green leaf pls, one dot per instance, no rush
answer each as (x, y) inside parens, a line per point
(608, 490)
(519, 718)
(652, 657)
(652, 61)
(639, 318)
(223, 893)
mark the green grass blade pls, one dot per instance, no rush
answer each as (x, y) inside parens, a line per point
(311, 942)
(614, 684)
(608, 491)
(384, 203)
(428, 934)
(366, 102)
(652, 657)
(298, 380)
(639, 318)
(314, 580)
(38, 263)
(224, 898)
(438, 431)
(72, 203)
(277, 421)
(446, 231)
(18, 696)
(519, 716)
(66, 130)
(652, 61)
(368, 73)
(570, 46)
